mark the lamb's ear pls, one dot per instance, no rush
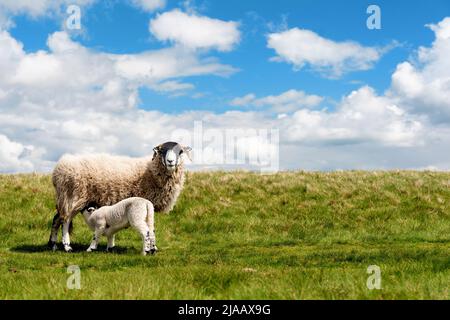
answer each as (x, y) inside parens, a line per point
(187, 150)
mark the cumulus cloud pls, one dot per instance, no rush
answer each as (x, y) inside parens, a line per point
(173, 86)
(73, 99)
(168, 63)
(424, 86)
(194, 31)
(35, 8)
(149, 5)
(301, 48)
(288, 101)
(14, 156)
(361, 117)
(243, 101)
(38, 8)
(67, 64)
(57, 8)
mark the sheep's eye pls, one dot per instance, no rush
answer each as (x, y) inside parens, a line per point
(181, 151)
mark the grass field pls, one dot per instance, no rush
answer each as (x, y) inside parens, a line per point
(246, 236)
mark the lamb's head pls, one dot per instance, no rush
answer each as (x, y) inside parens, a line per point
(171, 155)
(89, 209)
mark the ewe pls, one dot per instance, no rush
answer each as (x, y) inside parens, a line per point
(104, 180)
(108, 220)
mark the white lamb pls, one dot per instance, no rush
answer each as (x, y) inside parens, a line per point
(108, 220)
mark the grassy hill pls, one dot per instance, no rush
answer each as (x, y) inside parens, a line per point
(240, 235)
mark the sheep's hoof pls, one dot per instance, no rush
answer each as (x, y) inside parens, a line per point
(68, 249)
(52, 245)
(112, 249)
(90, 249)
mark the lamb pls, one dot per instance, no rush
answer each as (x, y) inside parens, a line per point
(104, 180)
(108, 220)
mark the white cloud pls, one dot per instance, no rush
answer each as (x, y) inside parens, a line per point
(301, 47)
(38, 68)
(31, 7)
(14, 156)
(243, 101)
(69, 65)
(361, 117)
(168, 63)
(73, 99)
(288, 101)
(35, 8)
(424, 87)
(11, 52)
(149, 5)
(173, 86)
(194, 31)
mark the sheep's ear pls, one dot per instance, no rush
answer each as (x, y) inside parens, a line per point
(156, 150)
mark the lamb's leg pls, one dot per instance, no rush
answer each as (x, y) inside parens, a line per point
(56, 224)
(97, 234)
(148, 239)
(110, 233)
(151, 228)
(110, 243)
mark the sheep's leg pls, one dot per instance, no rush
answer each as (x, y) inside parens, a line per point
(71, 227)
(67, 225)
(97, 234)
(66, 235)
(56, 224)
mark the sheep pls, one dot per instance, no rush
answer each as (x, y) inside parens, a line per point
(108, 220)
(104, 180)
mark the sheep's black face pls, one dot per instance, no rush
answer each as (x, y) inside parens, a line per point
(171, 154)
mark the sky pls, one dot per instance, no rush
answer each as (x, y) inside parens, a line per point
(133, 74)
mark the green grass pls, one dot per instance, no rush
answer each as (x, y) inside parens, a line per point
(240, 235)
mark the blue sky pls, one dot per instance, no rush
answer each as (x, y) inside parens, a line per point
(340, 95)
(116, 27)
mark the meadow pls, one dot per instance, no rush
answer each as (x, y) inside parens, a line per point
(241, 235)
